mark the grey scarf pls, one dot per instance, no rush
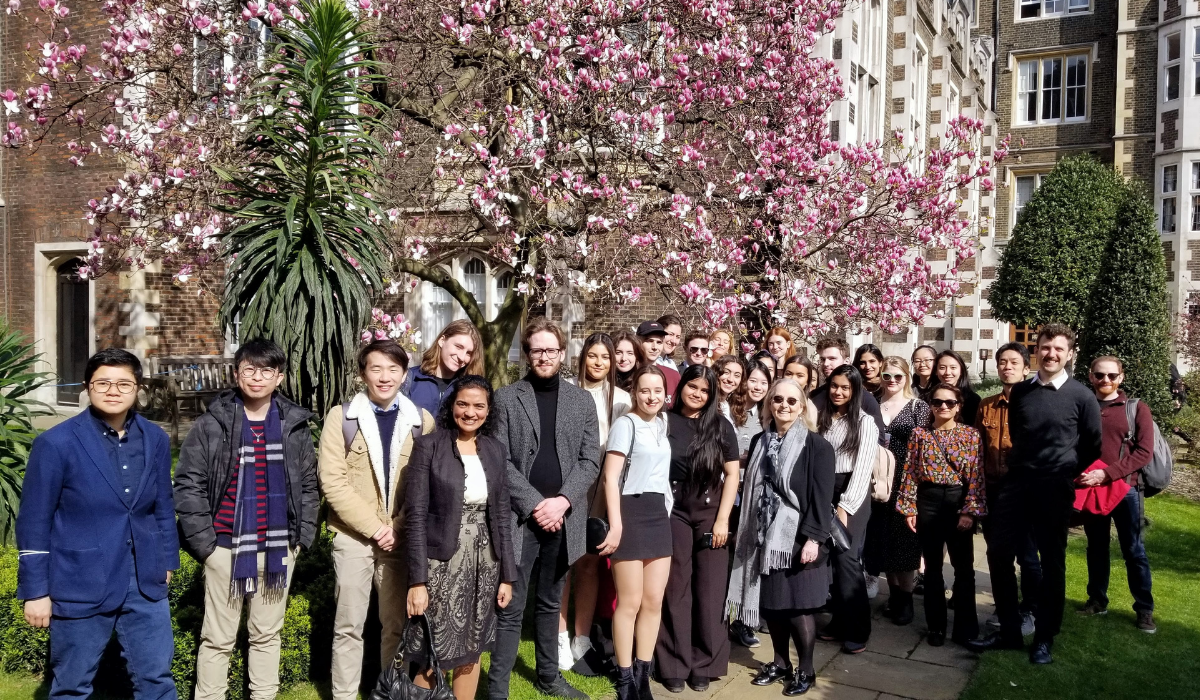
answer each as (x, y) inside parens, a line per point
(770, 519)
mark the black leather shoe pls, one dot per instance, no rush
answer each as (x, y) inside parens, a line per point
(937, 639)
(675, 685)
(560, 688)
(772, 673)
(1040, 653)
(800, 684)
(698, 683)
(994, 642)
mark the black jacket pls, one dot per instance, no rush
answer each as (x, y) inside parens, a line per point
(205, 469)
(434, 483)
(812, 482)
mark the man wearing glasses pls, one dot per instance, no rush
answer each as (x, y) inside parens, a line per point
(96, 536)
(551, 431)
(697, 348)
(246, 489)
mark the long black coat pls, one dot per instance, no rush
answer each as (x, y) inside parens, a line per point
(434, 482)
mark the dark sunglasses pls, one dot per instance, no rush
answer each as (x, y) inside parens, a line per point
(791, 400)
(696, 349)
(889, 377)
(1112, 376)
(948, 403)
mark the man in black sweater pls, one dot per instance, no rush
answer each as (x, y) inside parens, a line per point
(1054, 422)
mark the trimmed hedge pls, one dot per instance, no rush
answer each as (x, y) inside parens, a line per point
(306, 638)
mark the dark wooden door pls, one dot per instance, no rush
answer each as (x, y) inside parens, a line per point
(74, 330)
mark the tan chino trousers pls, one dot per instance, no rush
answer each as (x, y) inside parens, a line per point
(358, 567)
(222, 617)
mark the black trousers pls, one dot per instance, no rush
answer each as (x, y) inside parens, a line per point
(851, 607)
(1048, 504)
(938, 509)
(694, 636)
(1009, 540)
(544, 563)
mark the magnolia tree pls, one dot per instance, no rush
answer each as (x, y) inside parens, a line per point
(612, 147)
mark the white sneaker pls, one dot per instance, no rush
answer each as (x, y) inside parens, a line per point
(1027, 624)
(565, 660)
(579, 646)
(872, 586)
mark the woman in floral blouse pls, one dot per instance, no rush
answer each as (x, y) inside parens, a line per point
(941, 495)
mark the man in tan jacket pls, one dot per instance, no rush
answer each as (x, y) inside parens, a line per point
(365, 446)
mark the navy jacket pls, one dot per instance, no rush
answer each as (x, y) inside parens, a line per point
(78, 537)
(423, 390)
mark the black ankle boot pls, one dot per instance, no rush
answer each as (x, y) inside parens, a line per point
(902, 613)
(626, 686)
(641, 678)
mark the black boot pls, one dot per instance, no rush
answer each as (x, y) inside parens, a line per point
(626, 686)
(641, 677)
(902, 613)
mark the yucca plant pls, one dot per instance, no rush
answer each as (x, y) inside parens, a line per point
(19, 380)
(306, 253)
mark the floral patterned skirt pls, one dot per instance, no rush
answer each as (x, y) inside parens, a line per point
(462, 598)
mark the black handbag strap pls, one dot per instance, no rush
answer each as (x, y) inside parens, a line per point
(624, 469)
(420, 622)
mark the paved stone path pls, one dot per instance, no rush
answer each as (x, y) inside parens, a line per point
(898, 663)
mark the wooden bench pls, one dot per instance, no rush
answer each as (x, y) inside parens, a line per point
(196, 379)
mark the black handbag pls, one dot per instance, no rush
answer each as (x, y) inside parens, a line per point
(839, 536)
(597, 526)
(394, 682)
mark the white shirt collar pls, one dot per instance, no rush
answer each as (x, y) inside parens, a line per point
(393, 405)
(1058, 380)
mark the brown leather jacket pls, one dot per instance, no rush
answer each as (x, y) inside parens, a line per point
(992, 423)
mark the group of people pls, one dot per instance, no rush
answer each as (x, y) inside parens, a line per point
(689, 503)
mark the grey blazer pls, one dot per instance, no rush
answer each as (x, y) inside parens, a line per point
(577, 436)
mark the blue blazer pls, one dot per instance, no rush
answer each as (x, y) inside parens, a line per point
(77, 537)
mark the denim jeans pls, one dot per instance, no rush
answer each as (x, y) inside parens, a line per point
(1128, 518)
(143, 628)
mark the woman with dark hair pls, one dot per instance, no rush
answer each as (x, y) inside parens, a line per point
(735, 401)
(869, 360)
(950, 369)
(628, 358)
(758, 381)
(854, 438)
(767, 360)
(781, 560)
(942, 495)
(803, 370)
(457, 350)
(693, 642)
(597, 373)
(460, 549)
(924, 358)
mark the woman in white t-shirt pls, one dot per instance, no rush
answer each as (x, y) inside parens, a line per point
(637, 484)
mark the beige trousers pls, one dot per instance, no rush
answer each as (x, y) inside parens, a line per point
(222, 617)
(358, 567)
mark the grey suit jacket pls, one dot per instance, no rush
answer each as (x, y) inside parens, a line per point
(576, 434)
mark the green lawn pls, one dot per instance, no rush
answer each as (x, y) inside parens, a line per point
(20, 687)
(1107, 657)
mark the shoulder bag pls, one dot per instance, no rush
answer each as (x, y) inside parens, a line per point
(394, 682)
(597, 526)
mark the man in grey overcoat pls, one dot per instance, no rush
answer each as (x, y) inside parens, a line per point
(551, 431)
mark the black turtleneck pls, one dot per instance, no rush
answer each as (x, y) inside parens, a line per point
(546, 473)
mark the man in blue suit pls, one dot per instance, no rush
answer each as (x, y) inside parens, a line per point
(97, 539)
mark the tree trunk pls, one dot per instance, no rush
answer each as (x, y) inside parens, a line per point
(497, 341)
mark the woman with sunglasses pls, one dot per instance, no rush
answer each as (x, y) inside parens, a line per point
(891, 547)
(941, 497)
(781, 567)
(869, 360)
(855, 439)
(950, 369)
(693, 642)
(923, 378)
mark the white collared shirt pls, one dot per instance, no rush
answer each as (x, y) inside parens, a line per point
(1058, 380)
(666, 362)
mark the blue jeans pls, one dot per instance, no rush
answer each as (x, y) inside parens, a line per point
(143, 628)
(1128, 518)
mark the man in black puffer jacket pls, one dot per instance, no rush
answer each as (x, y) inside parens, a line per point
(246, 495)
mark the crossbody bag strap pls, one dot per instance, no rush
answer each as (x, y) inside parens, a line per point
(942, 452)
(1131, 419)
(624, 469)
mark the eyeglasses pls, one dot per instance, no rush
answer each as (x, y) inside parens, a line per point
(948, 403)
(791, 400)
(1112, 376)
(889, 377)
(103, 386)
(548, 353)
(698, 350)
(267, 373)
(922, 362)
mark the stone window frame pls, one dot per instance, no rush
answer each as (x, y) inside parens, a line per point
(1038, 58)
(1168, 208)
(1194, 188)
(1172, 67)
(1014, 175)
(920, 101)
(1063, 8)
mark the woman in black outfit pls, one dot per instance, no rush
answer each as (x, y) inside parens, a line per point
(460, 550)
(693, 642)
(951, 369)
(781, 561)
(924, 360)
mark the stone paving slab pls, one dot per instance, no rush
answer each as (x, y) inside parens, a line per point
(906, 677)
